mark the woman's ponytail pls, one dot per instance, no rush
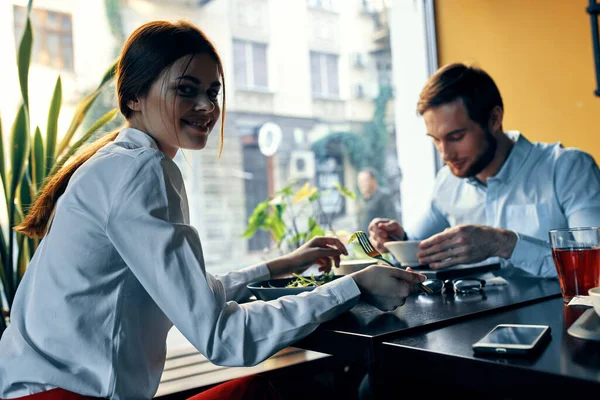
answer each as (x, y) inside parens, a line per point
(36, 221)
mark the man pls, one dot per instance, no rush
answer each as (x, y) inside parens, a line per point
(376, 201)
(499, 193)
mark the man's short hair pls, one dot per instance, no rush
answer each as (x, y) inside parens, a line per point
(371, 171)
(473, 85)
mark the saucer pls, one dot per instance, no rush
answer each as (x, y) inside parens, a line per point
(587, 326)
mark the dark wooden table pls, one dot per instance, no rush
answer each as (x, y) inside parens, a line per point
(567, 367)
(355, 335)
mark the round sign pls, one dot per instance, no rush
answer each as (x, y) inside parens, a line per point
(269, 138)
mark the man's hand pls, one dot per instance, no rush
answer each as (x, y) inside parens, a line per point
(380, 230)
(320, 250)
(465, 244)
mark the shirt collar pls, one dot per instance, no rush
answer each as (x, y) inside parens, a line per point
(515, 160)
(136, 137)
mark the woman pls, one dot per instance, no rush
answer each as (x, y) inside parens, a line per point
(119, 263)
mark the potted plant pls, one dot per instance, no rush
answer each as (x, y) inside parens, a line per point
(31, 158)
(291, 216)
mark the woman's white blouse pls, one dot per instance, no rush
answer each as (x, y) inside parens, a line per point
(119, 266)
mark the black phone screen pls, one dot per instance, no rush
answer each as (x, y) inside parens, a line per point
(516, 335)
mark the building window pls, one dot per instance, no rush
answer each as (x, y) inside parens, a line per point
(324, 75)
(330, 5)
(250, 65)
(52, 36)
(384, 73)
(330, 171)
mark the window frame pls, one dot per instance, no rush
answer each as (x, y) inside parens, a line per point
(250, 65)
(325, 79)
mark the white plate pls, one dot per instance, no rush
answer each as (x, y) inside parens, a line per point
(587, 326)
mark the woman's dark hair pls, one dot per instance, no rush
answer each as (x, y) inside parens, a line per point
(474, 86)
(149, 50)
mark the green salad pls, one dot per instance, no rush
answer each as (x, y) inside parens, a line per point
(307, 281)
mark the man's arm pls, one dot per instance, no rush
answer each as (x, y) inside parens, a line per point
(577, 188)
(432, 222)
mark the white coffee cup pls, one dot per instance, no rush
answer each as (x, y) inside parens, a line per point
(349, 266)
(595, 297)
(405, 252)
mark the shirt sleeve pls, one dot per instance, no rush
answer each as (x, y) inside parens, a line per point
(234, 282)
(432, 222)
(533, 255)
(164, 253)
(577, 188)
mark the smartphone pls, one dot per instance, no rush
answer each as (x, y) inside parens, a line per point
(513, 339)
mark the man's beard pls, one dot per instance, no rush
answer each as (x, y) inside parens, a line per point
(484, 158)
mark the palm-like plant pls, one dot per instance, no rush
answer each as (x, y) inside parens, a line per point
(32, 159)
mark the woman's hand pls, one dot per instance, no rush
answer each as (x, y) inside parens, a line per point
(386, 287)
(320, 250)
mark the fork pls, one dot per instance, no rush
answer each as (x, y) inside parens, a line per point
(368, 248)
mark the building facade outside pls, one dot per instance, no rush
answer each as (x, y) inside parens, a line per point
(297, 72)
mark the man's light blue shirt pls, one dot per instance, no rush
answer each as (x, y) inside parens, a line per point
(539, 187)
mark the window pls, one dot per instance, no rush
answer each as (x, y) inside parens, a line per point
(384, 73)
(53, 37)
(324, 75)
(321, 95)
(250, 65)
(330, 5)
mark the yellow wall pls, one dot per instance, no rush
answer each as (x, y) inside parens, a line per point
(540, 54)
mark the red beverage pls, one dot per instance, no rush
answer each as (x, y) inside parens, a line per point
(578, 270)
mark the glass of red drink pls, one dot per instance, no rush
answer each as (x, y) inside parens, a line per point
(576, 253)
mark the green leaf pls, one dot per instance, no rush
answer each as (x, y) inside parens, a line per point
(26, 192)
(298, 238)
(3, 280)
(103, 120)
(52, 128)
(109, 74)
(24, 60)
(3, 319)
(82, 109)
(257, 219)
(19, 149)
(286, 191)
(23, 257)
(314, 229)
(29, 4)
(2, 163)
(279, 209)
(353, 238)
(38, 162)
(277, 228)
(344, 191)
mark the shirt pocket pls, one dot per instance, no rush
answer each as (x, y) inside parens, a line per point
(528, 219)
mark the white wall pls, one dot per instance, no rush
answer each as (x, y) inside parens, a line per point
(410, 72)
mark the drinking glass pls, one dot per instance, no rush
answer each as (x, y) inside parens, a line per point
(576, 253)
